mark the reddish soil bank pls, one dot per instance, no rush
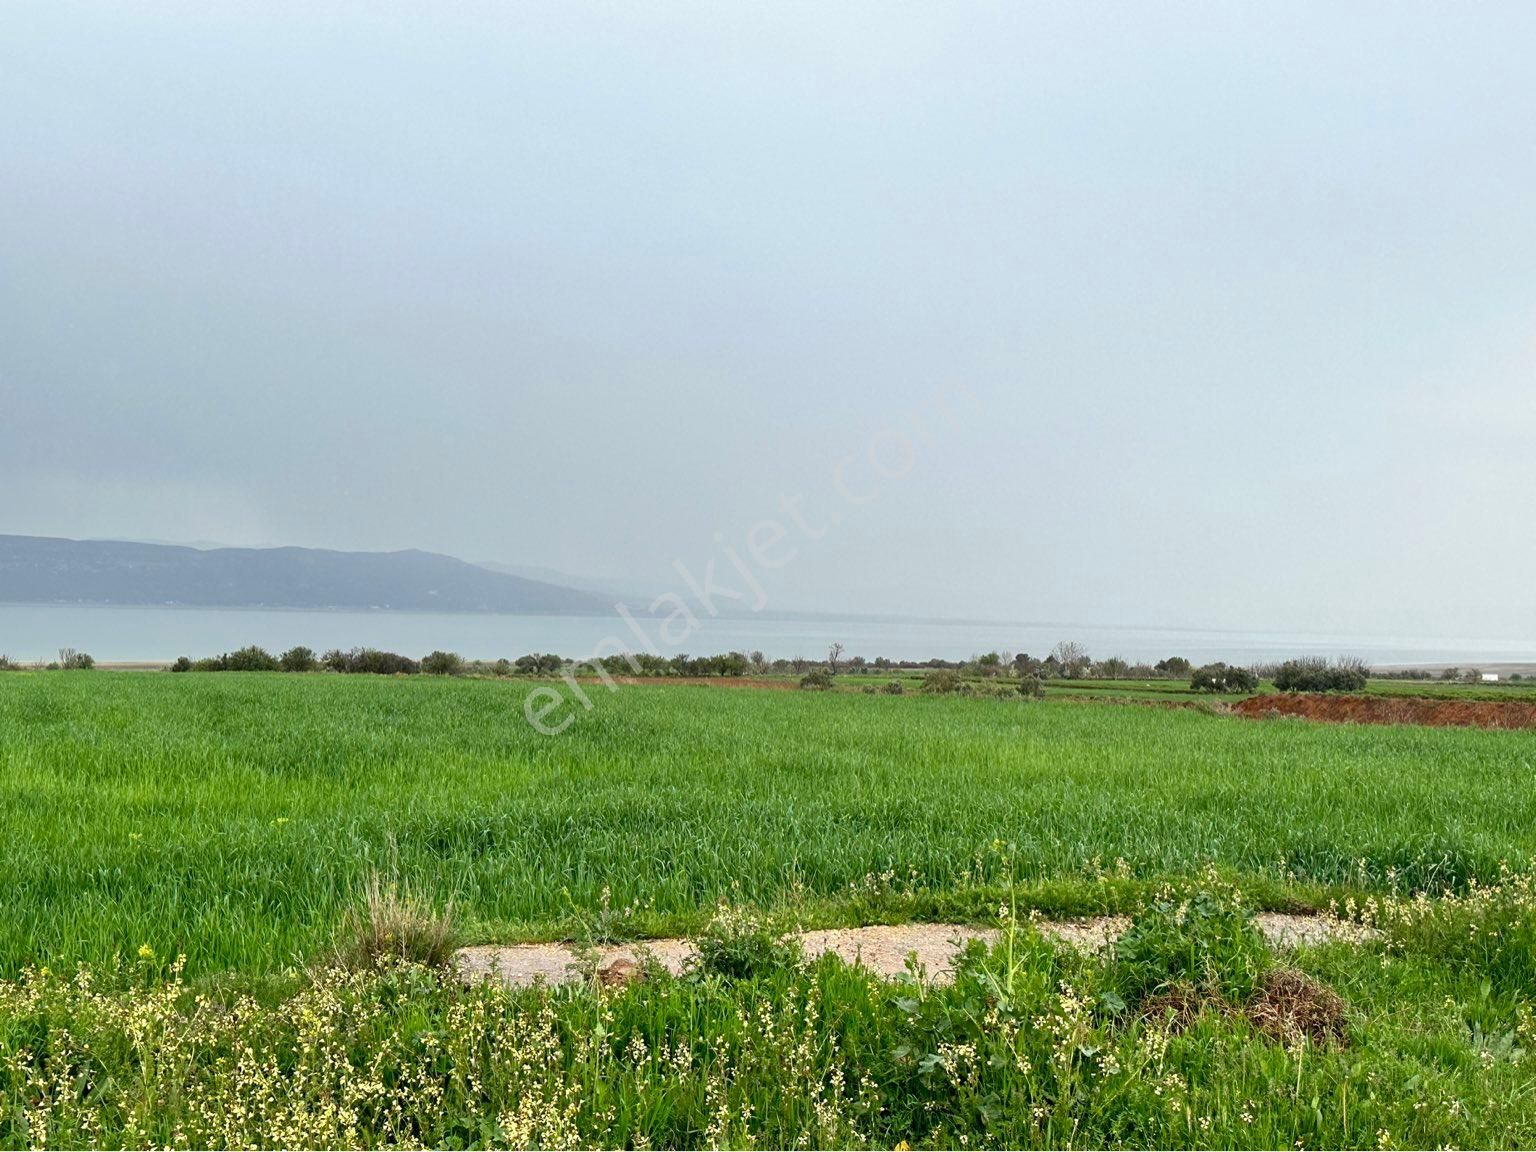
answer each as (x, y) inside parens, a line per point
(1395, 710)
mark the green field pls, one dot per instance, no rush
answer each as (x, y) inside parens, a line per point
(236, 820)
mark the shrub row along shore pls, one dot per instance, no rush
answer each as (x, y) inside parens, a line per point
(1067, 662)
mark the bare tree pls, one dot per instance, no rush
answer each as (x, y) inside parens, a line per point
(1073, 658)
(834, 657)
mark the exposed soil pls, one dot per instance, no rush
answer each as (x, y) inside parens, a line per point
(1394, 710)
(883, 949)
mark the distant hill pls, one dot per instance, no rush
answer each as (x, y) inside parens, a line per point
(609, 590)
(37, 569)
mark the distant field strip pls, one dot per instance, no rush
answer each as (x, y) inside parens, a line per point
(235, 817)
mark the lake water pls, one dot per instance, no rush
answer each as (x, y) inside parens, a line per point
(111, 634)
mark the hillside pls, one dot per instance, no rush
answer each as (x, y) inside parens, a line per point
(36, 569)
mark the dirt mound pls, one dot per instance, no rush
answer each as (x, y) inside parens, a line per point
(1394, 710)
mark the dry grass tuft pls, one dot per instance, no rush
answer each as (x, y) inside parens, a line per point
(1179, 1005)
(1291, 1005)
(395, 925)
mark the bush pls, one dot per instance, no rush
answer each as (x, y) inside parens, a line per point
(441, 663)
(539, 664)
(817, 680)
(894, 688)
(8, 665)
(942, 682)
(1318, 675)
(1173, 667)
(1208, 942)
(252, 659)
(182, 664)
(72, 661)
(1032, 687)
(370, 661)
(299, 659)
(1222, 678)
(739, 944)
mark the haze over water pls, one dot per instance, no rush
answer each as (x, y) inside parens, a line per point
(32, 632)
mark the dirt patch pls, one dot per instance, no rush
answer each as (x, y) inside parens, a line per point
(1393, 710)
(882, 948)
(1291, 1005)
(1290, 930)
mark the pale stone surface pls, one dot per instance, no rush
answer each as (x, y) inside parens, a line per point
(883, 949)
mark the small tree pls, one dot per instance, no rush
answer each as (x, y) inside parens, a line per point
(1113, 668)
(442, 663)
(72, 661)
(298, 659)
(834, 658)
(1072, 659)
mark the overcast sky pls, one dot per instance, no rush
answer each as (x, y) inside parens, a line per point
(1235, 305)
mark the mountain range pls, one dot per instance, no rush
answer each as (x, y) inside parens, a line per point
(40, 569)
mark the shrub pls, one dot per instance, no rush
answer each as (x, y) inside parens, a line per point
(539, 664)
(441, 663)
(1207, 942)
(1032, 687)
(1317, 675)
(1223, 678)
(8, 665)
(817, 680)
(395, 925)
(299, 659)
(182, 664)
(72, 661)
(1173, 667)
(894, 688)
(739, 944)
(370, 661)
(942, 682)
(251, 659)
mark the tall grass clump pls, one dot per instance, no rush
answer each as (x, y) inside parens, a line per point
(394, 925)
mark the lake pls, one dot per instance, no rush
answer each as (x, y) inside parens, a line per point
(30, 632)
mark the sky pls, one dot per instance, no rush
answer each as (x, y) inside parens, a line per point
(1185, 314)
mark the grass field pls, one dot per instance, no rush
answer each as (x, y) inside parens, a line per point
(236, 819)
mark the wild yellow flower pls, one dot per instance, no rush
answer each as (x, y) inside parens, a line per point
(146, 952)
